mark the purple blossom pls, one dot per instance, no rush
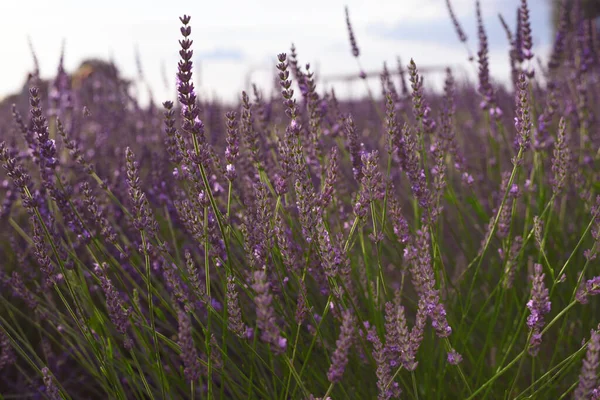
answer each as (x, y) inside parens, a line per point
(525, 30)
(119, 314)
(7, 354)
(142, 214)
(383, 372)
(189, 356)
(232, 149)
(561, 159)
(265, 313)
(371, 183)
(539, 305)
(419, 258)
(459, 31)
(355, 51)
(587, 376)
(454, 358)
(354, 148)
(50, 387)
(523, 122)
(234, 313)
(485, 86)
(339, 359)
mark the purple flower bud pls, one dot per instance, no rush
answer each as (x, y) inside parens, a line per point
(454, 358)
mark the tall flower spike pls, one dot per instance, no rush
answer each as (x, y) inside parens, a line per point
(518, 42)
(371, 183)
(485, 86)
(47, 146)
(355, 51)
(459, 30)
(189, 355)
(561, 35)
(396, 330)
(198, 285)
(419, 257)
(7, 354)
(539, 305)
(233, 147)
(523, 118)
(170, 131)
(41, 253)
(399, 223)
(185, 87)
(21, 291)
(339, 359)
(247, 128)
(416, 83)
(117, 311)
(354, 148)
(561, 159)
(52, 391)
(233, 309)
(327, 191)
(265, 313)
(587, 377)
(383, 371)
(142, 214)
(526, 31)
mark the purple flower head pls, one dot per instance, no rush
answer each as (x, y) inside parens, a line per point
(189, 355)
(51, 390)
(419, 258)
(593, 286)
(539, 305)
(372, 188)
(561, 159)
(355, 51)
(117, 311)
(523, 122)
(454, 358)
(525, 31)
(7, 354)
(459, 31)
(339, 359)
(587, 376)
(234, 313)
(265, 313)
(354, 148)
(233, 147)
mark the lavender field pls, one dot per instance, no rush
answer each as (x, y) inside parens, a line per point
(293, 245)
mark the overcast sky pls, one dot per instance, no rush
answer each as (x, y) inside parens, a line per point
(237, 41)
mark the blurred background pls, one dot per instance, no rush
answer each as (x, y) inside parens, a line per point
(236, 42)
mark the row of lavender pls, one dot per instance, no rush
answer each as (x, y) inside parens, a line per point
(419, 246)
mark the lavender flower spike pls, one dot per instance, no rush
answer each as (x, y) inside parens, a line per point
(459, 30)
(265, 313)
(539, 305)
(587, 377)
(523, 119)
(355, 51)
(339, 359)
(526, 32)
(117, 311)
(52, 391)
(189, 356)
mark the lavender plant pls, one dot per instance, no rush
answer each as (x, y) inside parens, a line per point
(418, 245)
